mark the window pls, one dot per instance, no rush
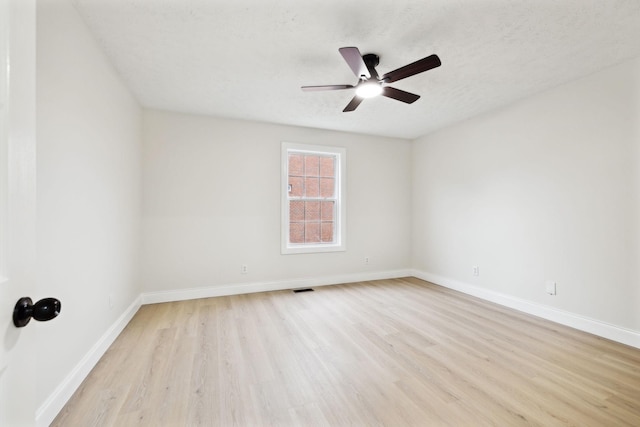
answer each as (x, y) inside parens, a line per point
(313, 205)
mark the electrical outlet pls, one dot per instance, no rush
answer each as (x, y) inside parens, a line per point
(476, 270)
(110, 301)
(244, 269)
(366, 260)
(550, 287)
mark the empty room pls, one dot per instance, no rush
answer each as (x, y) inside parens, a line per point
(321, 213)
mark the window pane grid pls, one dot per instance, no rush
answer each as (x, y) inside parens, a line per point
(312, 198)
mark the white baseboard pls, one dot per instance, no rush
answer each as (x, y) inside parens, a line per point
(246, 288)
(582, 323)
(47, 412)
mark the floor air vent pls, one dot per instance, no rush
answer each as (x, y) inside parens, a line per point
(295, 291)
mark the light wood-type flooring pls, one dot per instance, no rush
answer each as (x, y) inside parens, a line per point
(399, 352)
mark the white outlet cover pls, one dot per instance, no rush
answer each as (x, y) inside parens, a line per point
(551, 287)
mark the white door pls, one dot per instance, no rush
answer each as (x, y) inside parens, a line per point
(17, 209)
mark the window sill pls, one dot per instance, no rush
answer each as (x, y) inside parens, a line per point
(312, 249)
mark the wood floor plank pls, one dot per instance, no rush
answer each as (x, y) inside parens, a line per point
(389, 352)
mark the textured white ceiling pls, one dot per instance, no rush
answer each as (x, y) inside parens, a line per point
(248, 59)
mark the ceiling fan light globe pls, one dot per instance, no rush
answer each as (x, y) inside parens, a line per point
(368, 89)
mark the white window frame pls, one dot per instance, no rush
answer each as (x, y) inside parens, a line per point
(340, 222)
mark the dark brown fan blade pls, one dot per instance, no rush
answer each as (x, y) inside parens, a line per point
(400, 95)
(326, 87)
(354, 59)
(353, 104)
(412, 69)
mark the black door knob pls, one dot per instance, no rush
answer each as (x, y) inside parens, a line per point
(43, 310)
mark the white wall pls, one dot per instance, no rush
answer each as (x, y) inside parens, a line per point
(89, 182)
(212, 203)
(546, 189)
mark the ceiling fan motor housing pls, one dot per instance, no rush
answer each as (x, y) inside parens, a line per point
(371, 60)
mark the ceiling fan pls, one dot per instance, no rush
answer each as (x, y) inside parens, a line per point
(370, 84)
